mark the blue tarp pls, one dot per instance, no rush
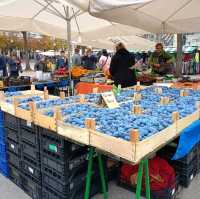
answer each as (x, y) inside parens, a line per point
(188, 139)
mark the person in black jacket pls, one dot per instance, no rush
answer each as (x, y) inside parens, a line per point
(120, 67)
(3, 68)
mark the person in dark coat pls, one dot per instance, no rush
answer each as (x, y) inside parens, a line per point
(3, 68)
(120, 67)
(14, 66)
(89, 60)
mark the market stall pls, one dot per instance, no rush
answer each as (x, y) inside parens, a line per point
(69, 117)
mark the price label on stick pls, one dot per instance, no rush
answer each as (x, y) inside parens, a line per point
(110, 100)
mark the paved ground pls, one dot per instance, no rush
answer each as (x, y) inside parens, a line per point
(10, 191)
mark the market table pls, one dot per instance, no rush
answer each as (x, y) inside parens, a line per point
(134, 151)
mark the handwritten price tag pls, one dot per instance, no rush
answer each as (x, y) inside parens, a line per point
(110, 100)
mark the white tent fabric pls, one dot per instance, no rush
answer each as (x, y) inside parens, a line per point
(169, 16)
(131, 42)
(49, 17)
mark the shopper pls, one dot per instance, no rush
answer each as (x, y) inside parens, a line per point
(76, 58)
(104, 61)
(3, 68)
(120, 67)
(160, 61)
(62, 61)
(89, 60)
(14, 66)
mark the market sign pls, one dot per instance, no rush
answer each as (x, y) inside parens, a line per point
(110, 100)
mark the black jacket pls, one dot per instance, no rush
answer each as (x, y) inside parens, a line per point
(120, 68)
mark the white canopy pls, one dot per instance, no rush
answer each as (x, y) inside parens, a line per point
(169, 16)
(49, 17)
(131, 42)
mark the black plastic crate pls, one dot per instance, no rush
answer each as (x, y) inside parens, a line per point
(31, 167)
(30, 136)
(31, 186)
(187, 174)
(11, 121)
(15, 175)
(56, 146)
(30, 151)
(27, 125)
(63, 170)
(77, 179)
(14, 160)
(13, 147)
(189, 157)
(12, 134)
(78, 193)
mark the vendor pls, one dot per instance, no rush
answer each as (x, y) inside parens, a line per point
(120, 67)
(14, 65)
(76, 58)
(160, 61)
(89, 60)
(62, 61)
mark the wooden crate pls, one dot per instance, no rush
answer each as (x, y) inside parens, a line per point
(80, 135)
(45, 121)
(10, 108)
(185, 122)
(29, 115)
(136, 151)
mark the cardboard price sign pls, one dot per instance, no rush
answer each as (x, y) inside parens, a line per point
(110, 100)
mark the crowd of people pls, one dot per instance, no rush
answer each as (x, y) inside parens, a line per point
(120, 66)
(10, 65)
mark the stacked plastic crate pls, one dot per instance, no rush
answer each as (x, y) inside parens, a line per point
(64, 167)
(187, 167)
(13, 148)
(30, 159)
(3, 157)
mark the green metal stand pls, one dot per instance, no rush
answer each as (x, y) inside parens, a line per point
(144, 164)
(89, 174)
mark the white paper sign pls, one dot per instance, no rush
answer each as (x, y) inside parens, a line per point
(110, 100)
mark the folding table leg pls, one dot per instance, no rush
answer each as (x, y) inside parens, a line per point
(102, 175)
(89, 174)
(147, 181)
(144, 164)
(139, 180)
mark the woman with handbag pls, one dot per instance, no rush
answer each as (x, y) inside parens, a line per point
(104, 62)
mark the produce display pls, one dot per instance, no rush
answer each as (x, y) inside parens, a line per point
(24, 100)
(119, 121)
(78, 71)
(61, 71)
(11, 94)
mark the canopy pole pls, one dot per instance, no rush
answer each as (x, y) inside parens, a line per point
(26, 50)
(69, 39)
(179, 55)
